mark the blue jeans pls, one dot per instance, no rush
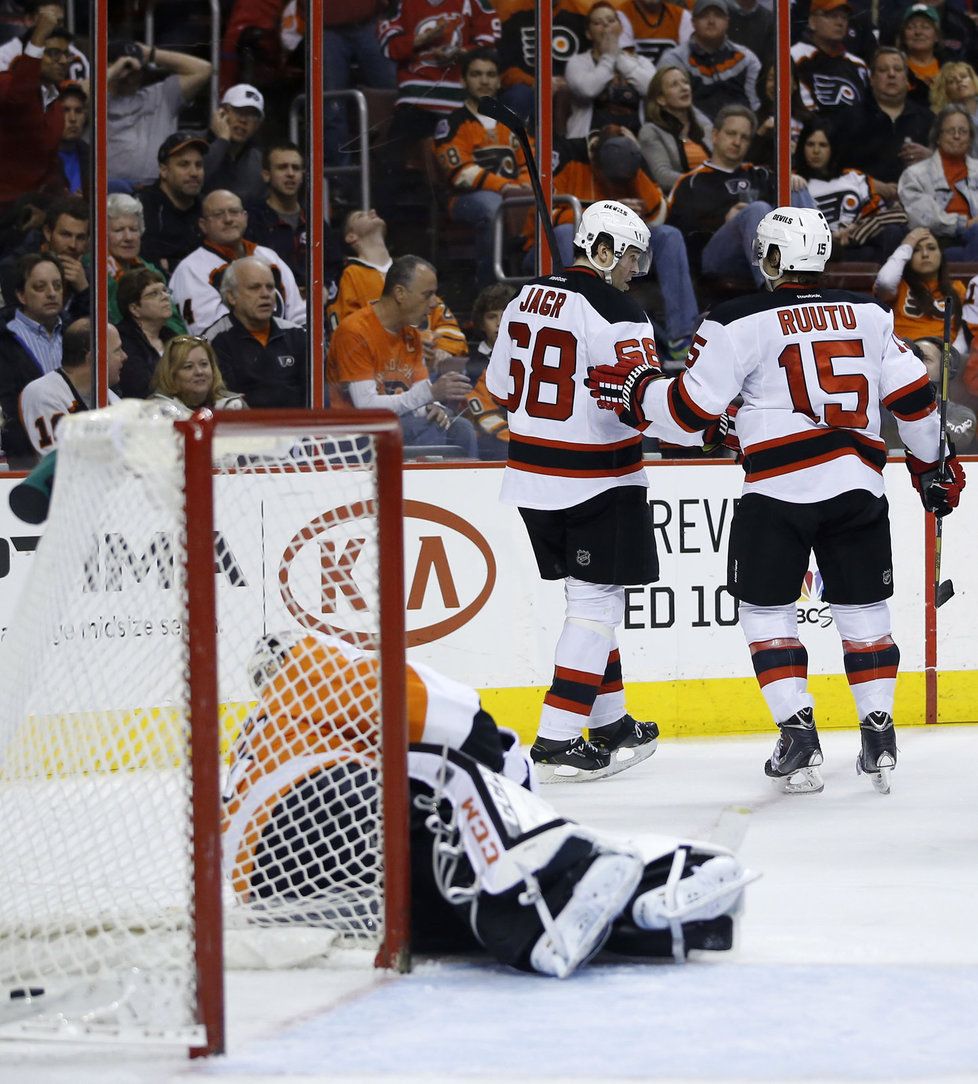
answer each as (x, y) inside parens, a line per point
(341, 46)
(418, 430)
(965, 245)
(478, 209)
(671, 265)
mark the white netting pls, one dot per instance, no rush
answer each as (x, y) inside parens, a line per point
(96, 894)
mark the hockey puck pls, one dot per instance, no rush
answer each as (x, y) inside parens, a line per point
(26, 991)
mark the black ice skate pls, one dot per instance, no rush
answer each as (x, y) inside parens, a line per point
(797, 755)
(574, 761)
(879, 752)
(627, 741)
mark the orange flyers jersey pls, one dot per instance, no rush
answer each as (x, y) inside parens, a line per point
(485, 412)
(473, 156)
(655, 33)
(363, 349)
(321, 707)
(910, 323)
(362, 282)
(576, 177)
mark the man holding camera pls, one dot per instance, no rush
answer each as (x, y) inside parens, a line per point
(141, 115)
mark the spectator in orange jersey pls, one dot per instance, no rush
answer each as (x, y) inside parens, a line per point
(658, 25)
(483, 165)
(914, 282)
(362, 282)
(492, 425)
(376, 361)
(609, 166)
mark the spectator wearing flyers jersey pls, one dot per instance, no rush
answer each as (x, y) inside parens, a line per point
(482, 164)
(658, 25)
(719, 205)
(196, 281)
(832, 80)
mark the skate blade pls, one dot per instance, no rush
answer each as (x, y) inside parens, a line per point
(881, 778)
(564, 773)
(627, 757)
(803, 781)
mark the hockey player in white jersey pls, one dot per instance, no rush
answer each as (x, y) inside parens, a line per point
(813, 366)
(578, 480)
(492, 864)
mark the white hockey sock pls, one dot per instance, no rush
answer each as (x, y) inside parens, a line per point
(609, 704)
(580, 662)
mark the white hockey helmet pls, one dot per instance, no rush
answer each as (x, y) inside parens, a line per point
(268, 656)
(802, 236)
(622, 225)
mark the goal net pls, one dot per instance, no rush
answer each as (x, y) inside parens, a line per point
(202, 738)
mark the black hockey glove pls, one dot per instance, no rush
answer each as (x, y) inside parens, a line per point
(940, 491)
(722, 433)
(621, 388)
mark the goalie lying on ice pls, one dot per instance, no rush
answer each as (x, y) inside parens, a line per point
(492, 864)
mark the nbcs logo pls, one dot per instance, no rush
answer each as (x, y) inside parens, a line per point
(328, 573)
(811, 609)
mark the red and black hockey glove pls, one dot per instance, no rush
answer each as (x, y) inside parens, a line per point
(940, 491)
(621, 387)
(723, 432)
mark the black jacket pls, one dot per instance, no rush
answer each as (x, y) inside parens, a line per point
(267, 376)
(17, 369)
(141, 359)
(170, 233)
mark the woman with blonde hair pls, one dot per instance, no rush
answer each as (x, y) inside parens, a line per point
(187, 378)
(956, 84)
(676, 135)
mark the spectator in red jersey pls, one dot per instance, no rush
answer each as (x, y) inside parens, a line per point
(31, 113)
(426, 39)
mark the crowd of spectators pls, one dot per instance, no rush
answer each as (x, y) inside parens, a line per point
(666, 105)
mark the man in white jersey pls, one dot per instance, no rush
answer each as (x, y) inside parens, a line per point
(71, 387)
(813, 366)
(579, 483)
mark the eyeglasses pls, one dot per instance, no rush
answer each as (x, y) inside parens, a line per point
(157, 291)
(230, 212)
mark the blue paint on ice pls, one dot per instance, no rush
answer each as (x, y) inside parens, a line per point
(827, 1021)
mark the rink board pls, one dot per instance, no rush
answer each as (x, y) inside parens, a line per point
(477, 610)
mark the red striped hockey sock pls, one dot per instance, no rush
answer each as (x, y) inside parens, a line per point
(871, 668)
(781, 667)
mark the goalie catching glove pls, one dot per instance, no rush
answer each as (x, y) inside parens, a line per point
(621, 388)
(940, 491)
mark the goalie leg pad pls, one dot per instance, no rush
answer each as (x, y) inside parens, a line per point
(511, 866)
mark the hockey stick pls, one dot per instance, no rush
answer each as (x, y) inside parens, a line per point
(943, 591)
(492, 107)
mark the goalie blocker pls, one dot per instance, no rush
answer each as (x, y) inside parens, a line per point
(493, 866)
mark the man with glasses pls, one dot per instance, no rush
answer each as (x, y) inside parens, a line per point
(196, 282)
(31, 113)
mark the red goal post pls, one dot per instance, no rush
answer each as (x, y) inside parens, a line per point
(170, 546)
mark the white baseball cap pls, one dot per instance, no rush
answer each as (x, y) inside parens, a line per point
(244, 96)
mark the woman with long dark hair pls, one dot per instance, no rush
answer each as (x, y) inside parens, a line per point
(914, 282)
(862, 225)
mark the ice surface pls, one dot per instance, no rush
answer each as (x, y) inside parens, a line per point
(857, 957)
